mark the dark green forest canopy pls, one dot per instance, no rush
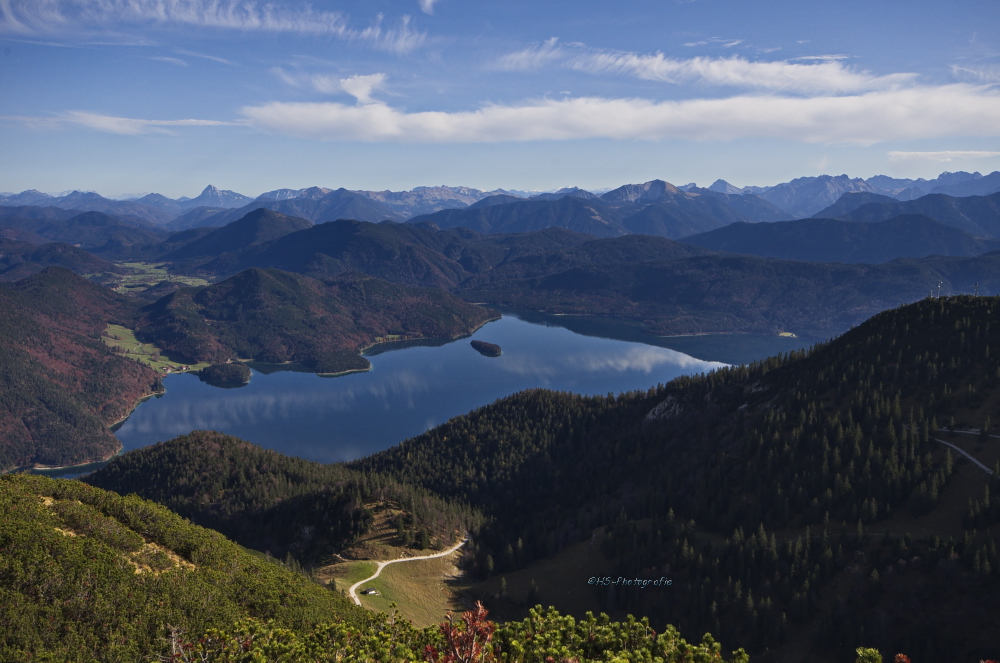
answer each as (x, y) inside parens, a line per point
(271, 502)
(275, 316)
(697, 477)
(730, 293)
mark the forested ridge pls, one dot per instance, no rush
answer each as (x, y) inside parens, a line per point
(60, 386)
(757, 487)
(275, 503)
(275, 316)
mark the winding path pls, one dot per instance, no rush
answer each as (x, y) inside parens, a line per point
(967, 455)
(382, 565)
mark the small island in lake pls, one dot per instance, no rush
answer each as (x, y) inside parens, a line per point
(229, 375)
(486, 349)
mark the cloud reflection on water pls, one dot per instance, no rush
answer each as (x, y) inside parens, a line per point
(406, 393)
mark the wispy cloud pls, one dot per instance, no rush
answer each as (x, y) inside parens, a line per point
(865, 119)
(111, 124)
(176, 61)
(826, 75)
(944, 156)
(60, 17)
(203, 56)
(979, 73)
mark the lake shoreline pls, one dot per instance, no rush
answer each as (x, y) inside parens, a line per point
(113, 426)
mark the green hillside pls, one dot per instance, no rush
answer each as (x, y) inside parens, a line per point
(88, 575)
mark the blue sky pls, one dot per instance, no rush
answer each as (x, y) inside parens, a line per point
(130, 96)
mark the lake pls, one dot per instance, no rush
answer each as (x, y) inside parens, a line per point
(413, 387)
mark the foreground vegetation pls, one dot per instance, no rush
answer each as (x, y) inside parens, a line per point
(87, 574)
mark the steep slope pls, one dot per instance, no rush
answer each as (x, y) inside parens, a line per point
(653, 208)
(213, 197)
(61, 387)
(276, 316)
(851, 201)
(806, 494)
(742, 294)
(978, 186)
(804, 196)
(257, 227)
(570, 212)
(834, 240)
(977, 215)
(88, 575)
(396, 252)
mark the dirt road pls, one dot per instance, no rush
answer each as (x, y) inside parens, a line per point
(381, 565)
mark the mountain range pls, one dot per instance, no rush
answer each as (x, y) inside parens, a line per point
(798, 198)
(805, 196)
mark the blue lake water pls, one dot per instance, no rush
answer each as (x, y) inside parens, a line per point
(409, 390)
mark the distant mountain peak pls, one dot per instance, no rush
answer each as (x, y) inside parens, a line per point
(646, 192)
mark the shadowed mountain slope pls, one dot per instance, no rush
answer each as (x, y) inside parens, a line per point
(742, 293)
(25, 259)
(257, 227)
(977, 215)
(834, 240)
(796, 484)
(316, 204)
(851, 201)
(275, 316)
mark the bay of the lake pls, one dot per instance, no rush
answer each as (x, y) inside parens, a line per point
(408, 390)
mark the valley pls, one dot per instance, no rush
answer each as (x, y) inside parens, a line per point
(782, 417)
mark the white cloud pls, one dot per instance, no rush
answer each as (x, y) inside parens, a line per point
(359, 86)
(34, 17)
(826, 75)
(427, 6)
(944, 156)
(865, 119)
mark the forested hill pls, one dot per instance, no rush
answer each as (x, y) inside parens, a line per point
(803, 499)
(60, 386)
(274, 316)
(275, 503)
(835, 240)
(727, 293)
